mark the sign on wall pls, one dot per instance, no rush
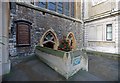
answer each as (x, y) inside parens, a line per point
(23, 34)
(76, 60)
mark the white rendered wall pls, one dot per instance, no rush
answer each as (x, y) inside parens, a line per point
(95, 35)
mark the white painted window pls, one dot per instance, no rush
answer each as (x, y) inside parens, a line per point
(109, 32)
(95, 33)
(92, 33)
(99, 33)
(95, 2)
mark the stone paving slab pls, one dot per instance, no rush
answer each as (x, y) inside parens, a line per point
(34, 69)
(0, 79)
(104, 68)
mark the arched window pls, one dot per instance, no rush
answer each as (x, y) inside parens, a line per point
(72, 41)
(66, 8)
(49, 39)
(63, 7)
(60, 7)
(72, 8)
(52, 6)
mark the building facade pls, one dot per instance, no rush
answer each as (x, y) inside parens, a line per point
(38, 23)
(101, 20)
(93, 24)
(32, 22)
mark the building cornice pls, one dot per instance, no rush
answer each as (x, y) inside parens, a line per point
(102, 15)
(48, 11)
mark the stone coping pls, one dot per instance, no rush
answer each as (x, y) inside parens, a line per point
(102, 53)
(58, 53)
(51, 51)
(48, 11)
(102, 15)
(103, 41)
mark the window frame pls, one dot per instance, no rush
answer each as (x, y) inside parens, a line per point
(65, 9)
(12, 7)
(72, 14)
(53, 3)
(110, 32)
(58, 6)
(43, 3)
(97, 2)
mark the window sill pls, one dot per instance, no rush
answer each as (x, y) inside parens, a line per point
(98, 3)
(102, 41)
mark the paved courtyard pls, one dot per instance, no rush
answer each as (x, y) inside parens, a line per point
(33, 69)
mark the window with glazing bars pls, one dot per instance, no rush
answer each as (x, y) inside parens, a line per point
(72, 9)
(66, 8)
(42, 4)
(109, 32)
(60, 7)
(52, 6)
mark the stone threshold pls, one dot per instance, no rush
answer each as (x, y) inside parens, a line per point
(48, 11)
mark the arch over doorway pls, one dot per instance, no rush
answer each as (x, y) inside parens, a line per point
(71, 38)
(49, 39)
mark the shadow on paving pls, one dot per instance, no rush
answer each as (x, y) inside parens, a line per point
(34, 69)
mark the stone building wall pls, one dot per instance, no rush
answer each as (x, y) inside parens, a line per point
(41, 23)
